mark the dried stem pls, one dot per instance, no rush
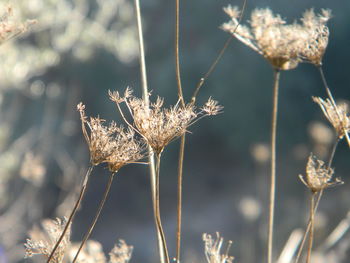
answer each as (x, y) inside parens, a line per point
(75, 208)
(311, 236)
(163, 250)
(330, 161)
(88, 233)
(273, 164)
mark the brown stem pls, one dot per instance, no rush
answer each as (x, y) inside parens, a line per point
(163, 250)
(273, 165)
(177, 57)
(72, 214)
(311, 236)
(88, 233)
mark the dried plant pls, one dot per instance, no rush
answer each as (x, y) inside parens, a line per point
(158, 125)
(42, 242)
(92, 253)
(337, 115)
(212, 249)
(121, 252)
(318, 176)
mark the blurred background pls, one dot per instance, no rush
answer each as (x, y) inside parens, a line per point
(80, 49)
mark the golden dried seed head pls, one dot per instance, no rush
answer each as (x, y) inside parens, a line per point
(121, 252)
(212, 249)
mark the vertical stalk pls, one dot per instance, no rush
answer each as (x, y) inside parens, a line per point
(273, 165)
(177, 58)
(71, 216)
(311, 236)
(163, 250)
(88, 233)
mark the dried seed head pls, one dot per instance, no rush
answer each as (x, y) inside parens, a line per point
(110, 144)
(318, 176)
(121, 253)
(10, 28)
(92, 252)
(212, 107)
(337, 115)
(212, 249)
(158, 125)
(283, 45)
(42, 242)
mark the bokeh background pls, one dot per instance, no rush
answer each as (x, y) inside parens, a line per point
(81, 49)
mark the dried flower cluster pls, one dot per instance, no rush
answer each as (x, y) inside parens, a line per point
(158, 125)
(10, 29)
(337, 115)
(283, 45)
(42, 242)
(318, 176)
(110, 144)
(91, 253)
(121, 253)
(212, 249)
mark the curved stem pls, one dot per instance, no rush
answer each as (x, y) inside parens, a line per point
(177, 57)
(311, 236)
(163, 250)
(273, 165)
(88, 233)
(72, 214)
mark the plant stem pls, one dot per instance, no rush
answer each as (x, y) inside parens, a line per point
(330, 161)
(273, 164)
(177, 58)
(71, 216)
(163, 250)
(88, 233)
(311, 236)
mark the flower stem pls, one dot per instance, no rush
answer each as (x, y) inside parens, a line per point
(311, 236)
(88, 233)
(273, 164)
(71, 216)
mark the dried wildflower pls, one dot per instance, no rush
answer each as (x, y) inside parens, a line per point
(121, 253)
(318, 34)
(91, 253)
(337, 115)
(42, 242)
(158, 125)
(9, 28)
(318, 176)
(212, 249)
(110, 144)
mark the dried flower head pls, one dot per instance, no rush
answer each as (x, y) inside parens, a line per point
(91, 253)
(318, 176)
(318, 34)
(158, 125)
(42, 242)
(337, 115)
(121, 252)
(212, 249)
(283, 45)
(110, 144)
(9, 28)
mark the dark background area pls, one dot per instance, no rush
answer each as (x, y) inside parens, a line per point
(221, 174)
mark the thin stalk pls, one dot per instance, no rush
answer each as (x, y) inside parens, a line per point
(330, 161)
(177, 57)
(273, 164)
(311, 236)
(72, 214)
(163, 250)
(88, 233)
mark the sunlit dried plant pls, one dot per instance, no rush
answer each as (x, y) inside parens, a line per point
(121, 252)
(42, 242)
(212, 249)
(110, 144)
(92, 253)
(158, 125)
(337, 115)
(10, 28)
(318, 176)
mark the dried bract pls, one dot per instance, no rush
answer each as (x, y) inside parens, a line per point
(42, 242)
(158, 125)
(9, 28)
(212, 249)
(283, 45)
(337, 115)
(318, 176)
(91, 253)
(121, 253)
(110, 144)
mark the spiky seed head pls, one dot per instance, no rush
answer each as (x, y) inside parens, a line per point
(212, 107)
(121, 252)
(212, 249)
(318, 176)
